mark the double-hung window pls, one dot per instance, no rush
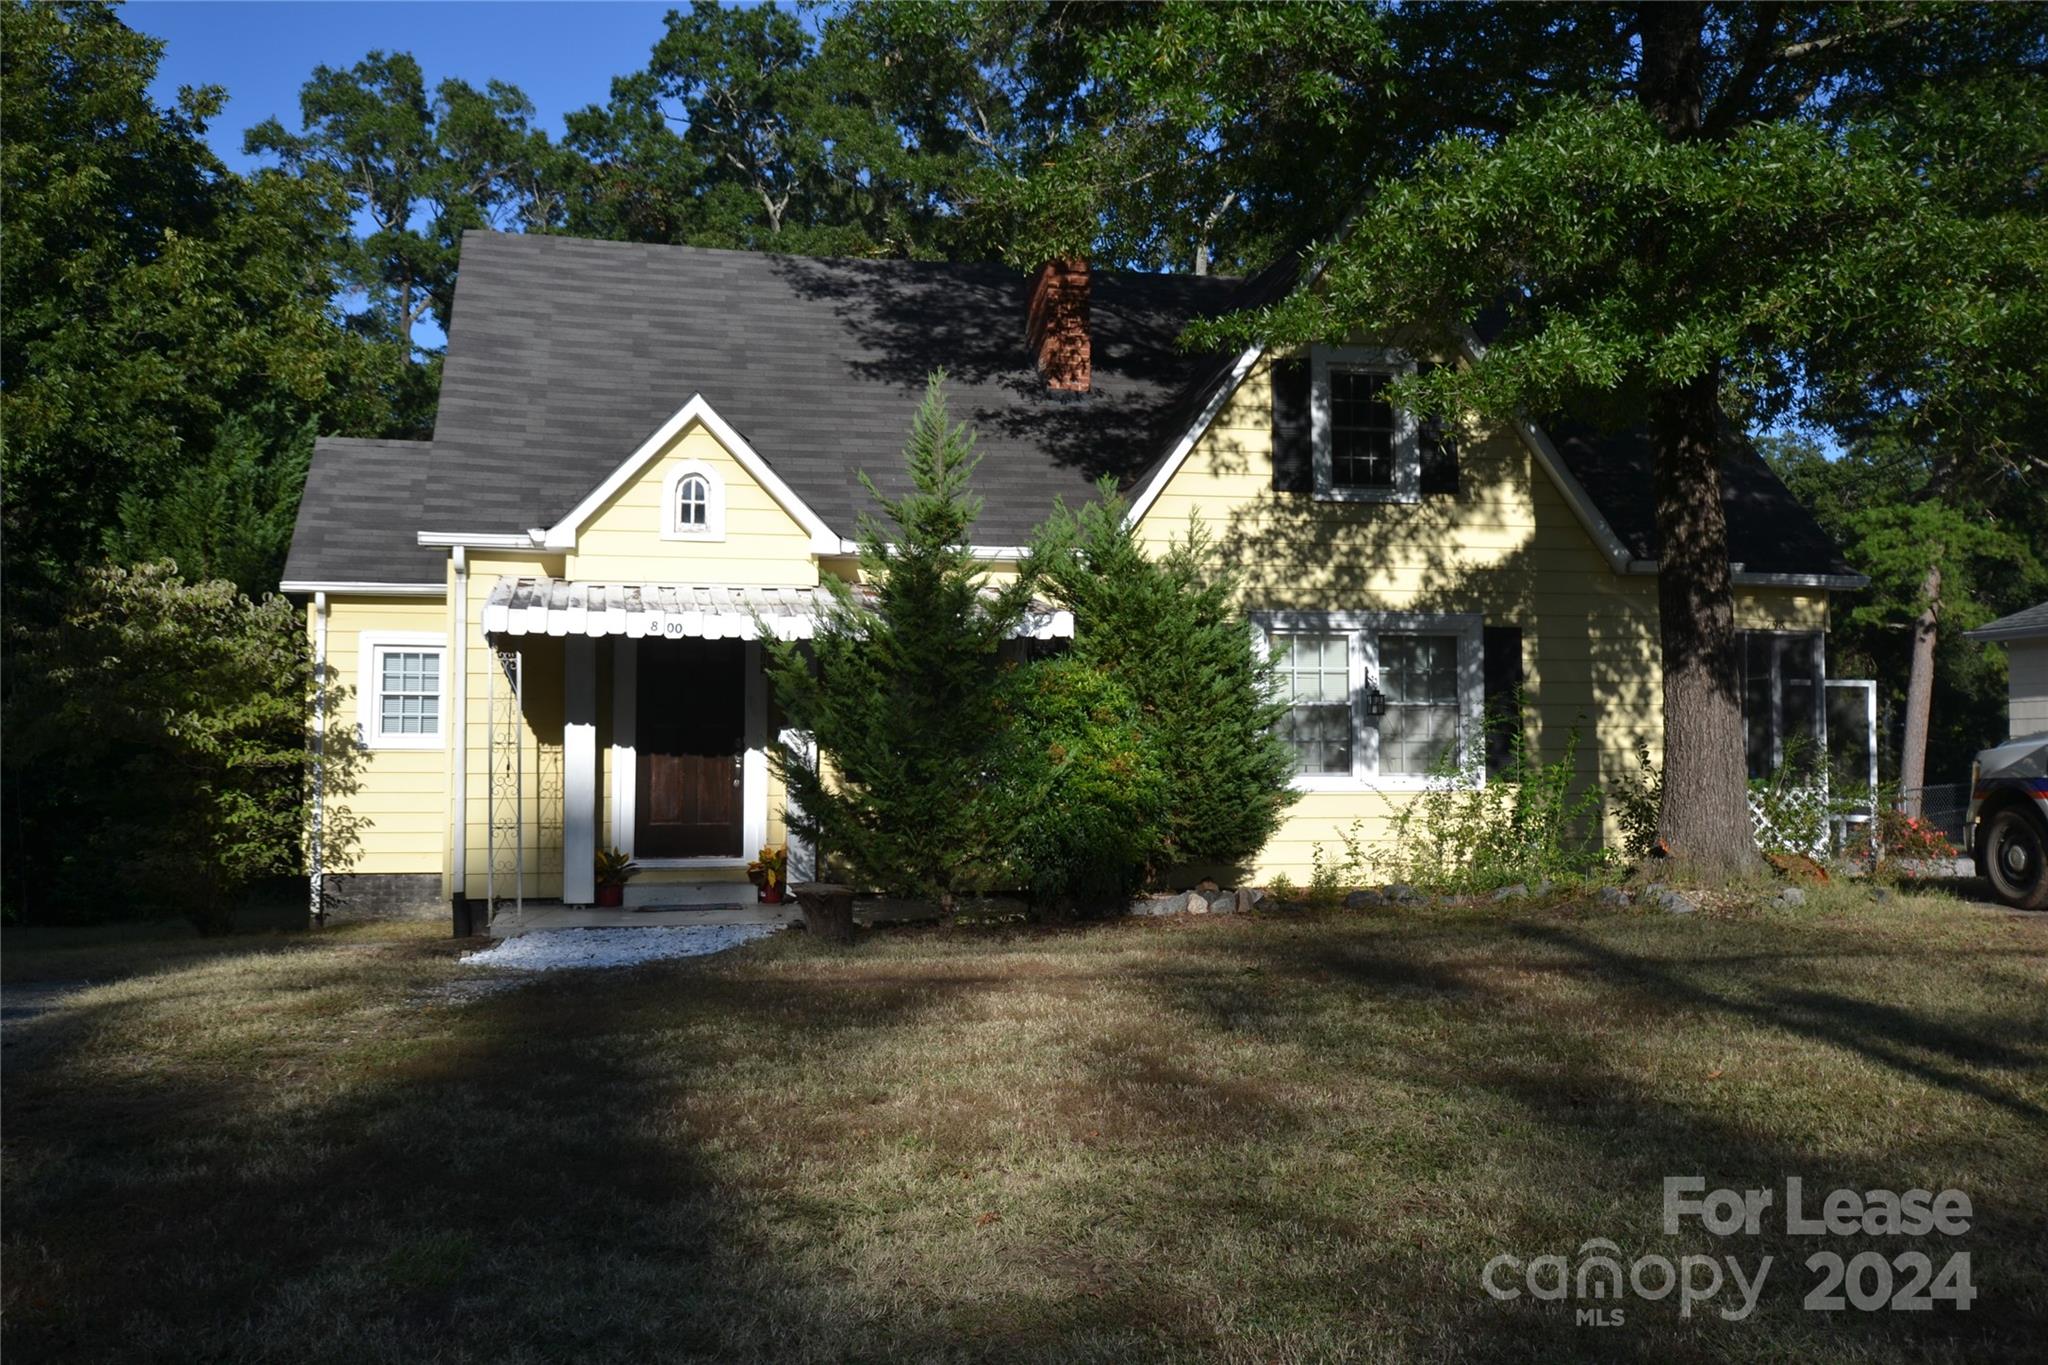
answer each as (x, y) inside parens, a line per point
(1365, 449)
(1376, 698)
(402, 690)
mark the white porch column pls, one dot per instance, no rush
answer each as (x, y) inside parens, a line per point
(579, 769)
(754, 763)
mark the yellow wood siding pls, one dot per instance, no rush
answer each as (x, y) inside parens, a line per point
(763, 545)
(403, 796)
(1508, 547)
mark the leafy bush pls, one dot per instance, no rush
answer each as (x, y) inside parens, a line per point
(1165, 628)
(1523, 825)
(1638, 802)
(158, 746)
(904, 700)
(1084, 796)
(1792, 804)
(1903, 838)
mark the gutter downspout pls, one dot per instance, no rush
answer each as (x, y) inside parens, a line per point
(315, 883)
(457, 879)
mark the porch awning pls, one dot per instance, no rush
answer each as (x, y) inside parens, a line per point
(676, 611)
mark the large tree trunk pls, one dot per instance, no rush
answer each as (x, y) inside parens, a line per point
(1920, 693)
(1705, 818)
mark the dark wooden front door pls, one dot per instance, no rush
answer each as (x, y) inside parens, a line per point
(691, 734)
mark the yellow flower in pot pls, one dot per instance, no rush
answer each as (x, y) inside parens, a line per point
(770, 872)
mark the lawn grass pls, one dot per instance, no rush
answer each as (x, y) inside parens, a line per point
(1292, 1138)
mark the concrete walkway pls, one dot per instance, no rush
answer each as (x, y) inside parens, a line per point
(542, 915)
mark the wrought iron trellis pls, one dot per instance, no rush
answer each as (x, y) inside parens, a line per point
(505, 840)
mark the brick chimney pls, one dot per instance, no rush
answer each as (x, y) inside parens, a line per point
(1056, 326)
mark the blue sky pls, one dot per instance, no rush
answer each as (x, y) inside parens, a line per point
(563, 55)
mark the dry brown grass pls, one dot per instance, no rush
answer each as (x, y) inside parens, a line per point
(1272, 1139)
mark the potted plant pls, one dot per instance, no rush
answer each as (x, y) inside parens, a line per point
(614, 870)
(770, 872)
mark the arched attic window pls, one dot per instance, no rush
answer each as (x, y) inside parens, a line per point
(693, 503)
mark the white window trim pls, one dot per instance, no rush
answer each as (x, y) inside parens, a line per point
(1407, 445)
(370, 646)
(714, 503)
(1364, 628)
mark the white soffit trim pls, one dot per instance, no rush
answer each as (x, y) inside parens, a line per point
(360, 589)
(562, 535)
(851, 548)
(1178, 456)
(480, 540)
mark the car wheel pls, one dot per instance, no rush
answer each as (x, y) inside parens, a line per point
(2016, 858)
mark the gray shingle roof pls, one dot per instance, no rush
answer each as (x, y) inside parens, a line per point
(565, 355)
(1769, 531)
(2028, 624)
(359, 519)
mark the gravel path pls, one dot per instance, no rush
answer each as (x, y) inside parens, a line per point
(551, 950)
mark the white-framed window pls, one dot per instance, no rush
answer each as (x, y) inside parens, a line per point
(692, 503)
(1377, 699)
(402, 689)
(1365, 449)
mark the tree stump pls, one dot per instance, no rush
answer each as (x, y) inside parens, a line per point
(828, 909)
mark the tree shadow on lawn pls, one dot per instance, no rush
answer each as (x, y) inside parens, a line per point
(536, 1177)
(1529, 1109)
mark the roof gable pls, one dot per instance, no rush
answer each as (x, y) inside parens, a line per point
(562, 535)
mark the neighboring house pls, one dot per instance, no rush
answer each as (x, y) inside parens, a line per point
(547, 611)
(2025, 637)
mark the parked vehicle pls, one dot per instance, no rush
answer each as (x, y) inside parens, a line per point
(2008, 828)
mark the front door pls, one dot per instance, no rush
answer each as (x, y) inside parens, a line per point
(690, 739)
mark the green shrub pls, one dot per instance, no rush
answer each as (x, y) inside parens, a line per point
(901, 690)
(1524, 825)
(1793, 803)
(157, 751)
(1166, 629)
(1638, 801)
(1083, 798)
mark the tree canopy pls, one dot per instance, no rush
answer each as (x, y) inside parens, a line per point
(1685, 217)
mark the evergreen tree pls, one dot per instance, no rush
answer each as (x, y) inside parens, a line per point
(1168, 630)
(901, 690)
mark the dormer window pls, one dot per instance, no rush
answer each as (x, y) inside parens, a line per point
(1365, 449)
(693, 503)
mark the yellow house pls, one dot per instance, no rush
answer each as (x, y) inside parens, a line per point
(547, 614)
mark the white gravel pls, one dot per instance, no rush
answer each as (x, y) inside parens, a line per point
(550, 950)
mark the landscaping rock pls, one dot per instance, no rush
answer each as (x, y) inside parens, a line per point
(1364, 900)
(1153, 906)
(1197, 903)
(1669, 899)
(1610, 895)
(1207, 884)
(1400, 892)
(1791, 895)
(1517, 892)
(1249, 898)
(1542, 888)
